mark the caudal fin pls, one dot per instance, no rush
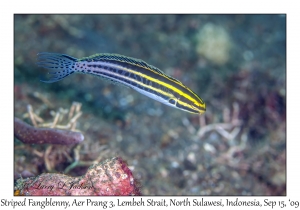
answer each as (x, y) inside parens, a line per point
(59, 66)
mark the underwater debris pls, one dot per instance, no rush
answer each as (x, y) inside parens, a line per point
(31, 135)
(110, 177)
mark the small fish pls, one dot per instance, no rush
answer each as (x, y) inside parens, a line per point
(131, 72)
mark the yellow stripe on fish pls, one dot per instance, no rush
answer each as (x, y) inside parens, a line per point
(130, 72)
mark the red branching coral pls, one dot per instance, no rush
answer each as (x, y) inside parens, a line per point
(110, 177)
(31, 135)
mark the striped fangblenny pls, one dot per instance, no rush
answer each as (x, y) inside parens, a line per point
(130, 72)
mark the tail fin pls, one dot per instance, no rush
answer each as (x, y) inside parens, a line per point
(59, 66)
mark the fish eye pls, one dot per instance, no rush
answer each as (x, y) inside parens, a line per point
(172, 101)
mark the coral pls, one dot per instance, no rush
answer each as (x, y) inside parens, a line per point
(31, 135)
(229, 129)
(110, 177)
(266, 164)
(59, 116)
(60, 130)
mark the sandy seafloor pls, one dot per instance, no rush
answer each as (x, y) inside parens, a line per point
(236, 63)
